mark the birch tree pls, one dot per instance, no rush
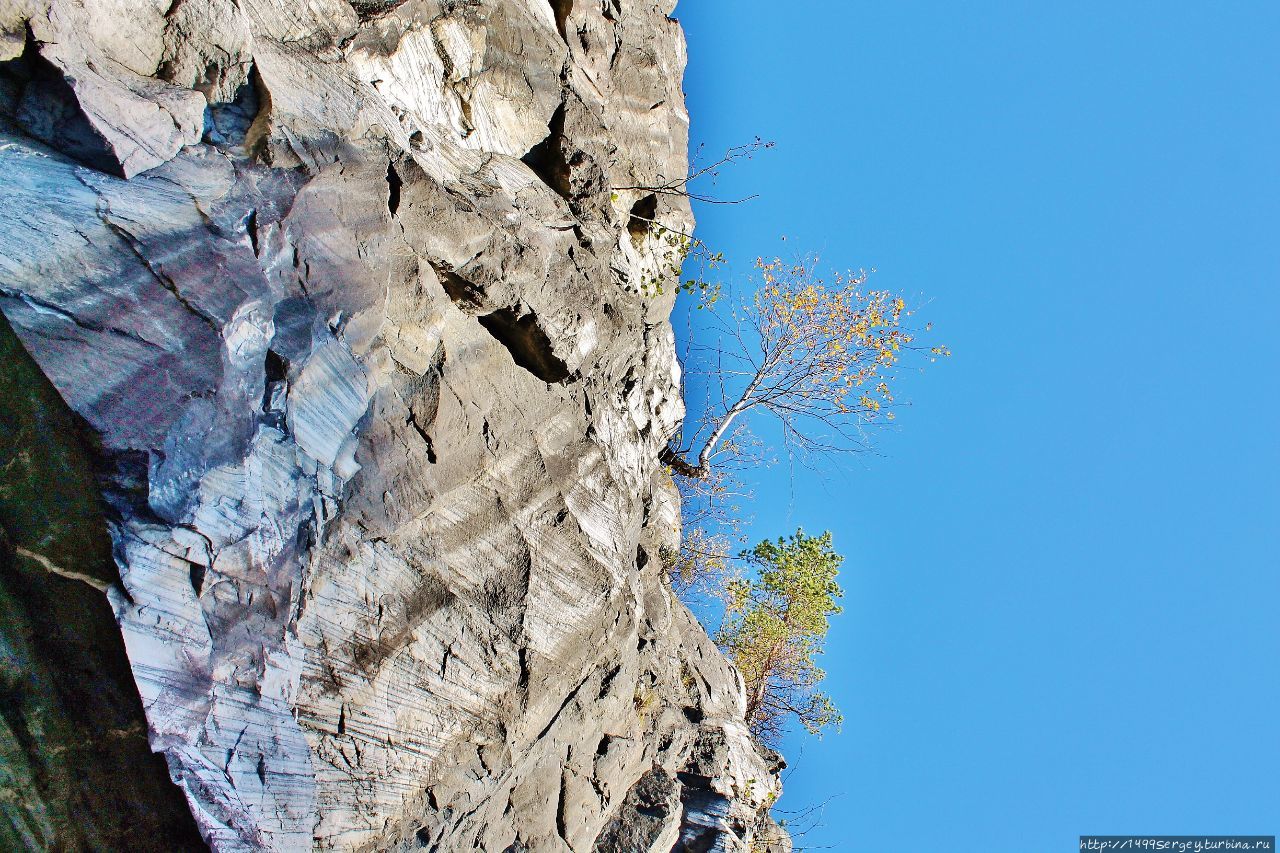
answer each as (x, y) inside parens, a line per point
(817, 354)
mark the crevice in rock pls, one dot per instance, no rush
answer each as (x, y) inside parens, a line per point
(464, 102)
(393, 188)
(561, 807)
(256, 136)
(227, 125)
(547, 158)
(251, 228)
(697, 781)
(524, 339)
(573, 694)
(642, 216)
(444, 670)
(367, 10)
(522, 682)
(658, 810)
(45, 107)
(425, 436)
(529, 346)
(46, 307)
(464, 294)
(607, 681)
(275, 366)
(561, 9)
(702, 841)
(157, 273)
(196, 574)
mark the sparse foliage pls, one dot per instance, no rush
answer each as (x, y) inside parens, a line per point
(713, 519)
(702, 566)
(680, 186)
(678, 248)
(818, 354)
(774, 628)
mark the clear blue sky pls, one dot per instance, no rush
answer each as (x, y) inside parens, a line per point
(1064, 568)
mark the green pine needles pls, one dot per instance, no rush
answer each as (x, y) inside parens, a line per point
(775, 625)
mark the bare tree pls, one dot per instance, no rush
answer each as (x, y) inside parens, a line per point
(680, 186)
(680, 249)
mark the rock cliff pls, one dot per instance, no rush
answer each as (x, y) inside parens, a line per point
(352, 414)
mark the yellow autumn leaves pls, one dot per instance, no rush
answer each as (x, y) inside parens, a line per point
(833, 342)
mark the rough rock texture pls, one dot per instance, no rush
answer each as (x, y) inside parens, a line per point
(348, 306)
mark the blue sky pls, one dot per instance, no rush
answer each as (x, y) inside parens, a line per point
(1062, 569)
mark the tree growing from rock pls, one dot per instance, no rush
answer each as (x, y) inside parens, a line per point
(681, 186)
(817, 354)
(679, 250)
(774, 629)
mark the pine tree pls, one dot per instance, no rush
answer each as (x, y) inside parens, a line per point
(775, 626)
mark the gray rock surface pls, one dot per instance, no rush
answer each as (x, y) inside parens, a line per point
(349, 303)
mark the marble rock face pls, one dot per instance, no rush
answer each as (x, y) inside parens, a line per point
(348, 297)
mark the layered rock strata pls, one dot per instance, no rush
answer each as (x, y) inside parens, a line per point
(346, 302)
